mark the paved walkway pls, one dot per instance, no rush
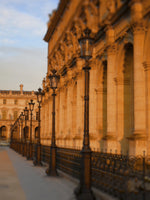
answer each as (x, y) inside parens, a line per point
(21, 180)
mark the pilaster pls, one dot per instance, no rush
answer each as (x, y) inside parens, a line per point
(92, 106)
(69, 105)
(139, 75)
(139, 137)
(147, 74)
(110, 138)
(120, 112)
(80, 109)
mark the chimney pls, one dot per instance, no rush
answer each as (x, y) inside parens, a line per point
(21, 88)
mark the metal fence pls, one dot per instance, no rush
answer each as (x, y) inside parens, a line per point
(122, 176)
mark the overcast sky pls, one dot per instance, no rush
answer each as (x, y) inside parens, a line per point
(23, 52)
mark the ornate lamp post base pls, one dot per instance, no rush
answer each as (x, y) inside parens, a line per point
(51, 171)
(24, 149)
(85, 195)
(31, 152)
(37, 161)
(83, 191)
(28, 151)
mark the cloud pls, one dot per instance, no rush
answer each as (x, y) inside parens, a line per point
(27, 66)
(16, 22)
(20, 19)
(23, 53)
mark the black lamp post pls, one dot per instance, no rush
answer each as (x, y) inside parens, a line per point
(22, 136)
(51, 171)
(26, 114)
(37, 160)
(84, 190)
(31, 107)
(11, 135)
(19, 135)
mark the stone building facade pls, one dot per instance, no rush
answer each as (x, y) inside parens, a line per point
(119, 115)
(12, 103)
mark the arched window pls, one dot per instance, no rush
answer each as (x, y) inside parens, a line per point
(104, 98)
(4, 115)
(15, 115)
(128, 95)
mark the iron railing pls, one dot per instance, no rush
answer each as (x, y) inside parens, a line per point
(122, 176)
(68, 161)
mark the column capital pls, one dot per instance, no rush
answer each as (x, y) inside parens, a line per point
(146, 66)
(99, 90)
(138, 27)
(110, 33)
(134, 1)
(111, 49)
(119, 80)
(138, 134)
(137, 16)
(68, 77)
(62, 81)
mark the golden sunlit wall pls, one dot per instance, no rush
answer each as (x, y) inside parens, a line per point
(119, 115)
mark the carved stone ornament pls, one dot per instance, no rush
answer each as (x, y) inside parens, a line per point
(138, 27)
(44, 84)
(112, 49)
(111, 6)
(146, 66)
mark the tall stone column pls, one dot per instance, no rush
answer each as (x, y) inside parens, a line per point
(69, 107)
(92, 107)
(122, 146)
(147, 74)
(138, 143)
(57, 118)
(42, 121)
(101, 103)
(46, 120)
(49, 119)
(110, 139)
(74, 110)
(80, 104)
(61, 112)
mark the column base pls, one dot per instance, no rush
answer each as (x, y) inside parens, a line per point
(82, 194)
(37, 161)
(137, 143)
(24, 149)
(51, 172)
(28, 151)
(110, 143)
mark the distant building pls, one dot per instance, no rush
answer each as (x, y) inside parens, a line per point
(119, 115)
(12, 103)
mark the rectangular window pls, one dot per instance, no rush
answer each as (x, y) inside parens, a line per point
(15, 101)
(4, 101)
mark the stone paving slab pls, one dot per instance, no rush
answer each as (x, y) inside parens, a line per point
(20, 180)
(10, 187)
(36, 184)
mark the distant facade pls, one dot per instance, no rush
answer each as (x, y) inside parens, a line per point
(119, 116)
(12, 103)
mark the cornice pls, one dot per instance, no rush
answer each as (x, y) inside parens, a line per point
(116, 16)
(61, 8)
